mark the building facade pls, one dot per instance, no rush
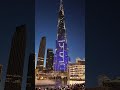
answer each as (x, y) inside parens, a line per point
(16, 60)
(49, 60)
(61, 57)
(76, 71)
(30, 85)
(41, 54)
(78, 60)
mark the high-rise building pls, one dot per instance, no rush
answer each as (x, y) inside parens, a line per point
(76, 70)
(31, 73)
(41, 54)
(49, 60)
(61, 57)
(0, 72)
(16, 60)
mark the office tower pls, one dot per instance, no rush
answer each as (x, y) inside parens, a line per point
(49, 60)
(31, 73)
(0, 72)
(41, 54)
(16, 60)
(61, 57)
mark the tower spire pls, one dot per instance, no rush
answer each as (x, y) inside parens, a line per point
(61, 6)
(61, 57)
(61, 22)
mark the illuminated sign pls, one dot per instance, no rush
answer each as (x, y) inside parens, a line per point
(61, 57)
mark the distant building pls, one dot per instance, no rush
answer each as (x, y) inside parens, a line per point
(41, 54)
(0, 72)
(31, 73)
(76, 70)
(16, 60)
(49, 60)
(79, 60)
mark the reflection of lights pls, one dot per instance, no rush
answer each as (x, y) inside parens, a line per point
(39, 88)
(41, 78)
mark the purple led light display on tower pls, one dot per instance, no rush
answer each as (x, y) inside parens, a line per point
(61, 57)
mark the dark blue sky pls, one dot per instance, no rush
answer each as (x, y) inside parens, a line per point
(12, 14)
(46, 17)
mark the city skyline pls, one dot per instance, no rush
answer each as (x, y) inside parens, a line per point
(75, 20)
(101, 43)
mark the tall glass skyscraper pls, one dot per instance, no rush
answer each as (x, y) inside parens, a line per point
(49, 59)
(16, 60)
(61, 57)
(41, 54)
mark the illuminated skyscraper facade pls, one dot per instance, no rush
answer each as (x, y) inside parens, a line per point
(41, 54)
(61, 57)
(49, 59)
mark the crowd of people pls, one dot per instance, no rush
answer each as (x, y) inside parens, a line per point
(67, 87)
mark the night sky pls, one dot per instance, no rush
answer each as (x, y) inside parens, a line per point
(46, 17)
(15, 13)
